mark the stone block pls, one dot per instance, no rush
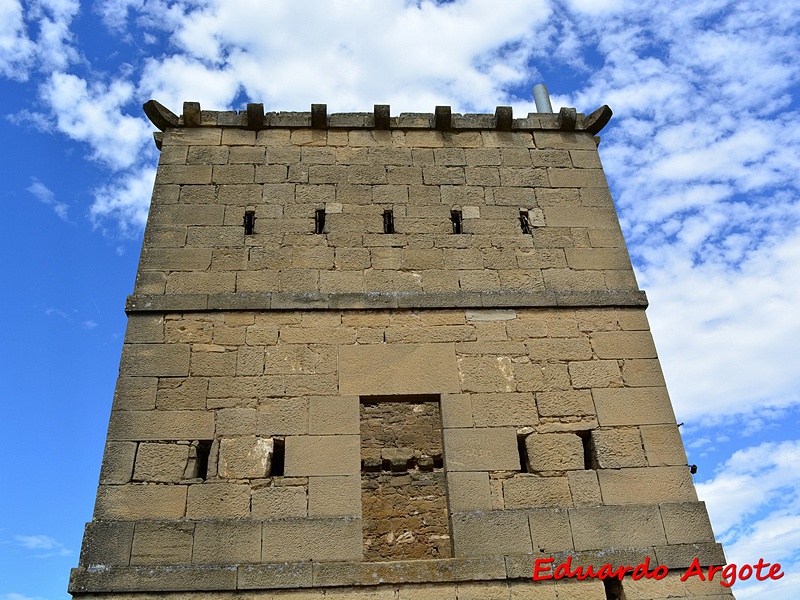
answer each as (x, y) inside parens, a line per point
(494, 410)
(126, 502)
(599, 218)
(686, 523)
(648, 485)
(135, 393)
(161, 463)
(456, 410)
(107, 543)
(211, 500)
(595, 374)
(554, 452)
(484, 449)
(320, 539)
(565, 403)
(333, 415)
(162, 544)
(633, 406)
(491, 533)
(193, 136)
(550, 530)
(383, 370)
(336, 496)
(156, 360)
(623, 344)
(616, 527)
(247, 457)
(598, 258)
(526, 590)
(279, 502)
(559, 349)
(282, 416)
(145, 329)
(184, 174)
(532, 491)
(118, 460)
(154, 579)
(663, 445)
(182, 393)
(617, 447)
(322, 455)
(236, 421)
(161, 425)
(642, 373)
(487, 374)
(584, 488)
(278, 575)
(564, 140)
(227, 542)
(467, 492)
(681, 556)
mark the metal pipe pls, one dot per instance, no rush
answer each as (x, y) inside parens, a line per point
(542, 99)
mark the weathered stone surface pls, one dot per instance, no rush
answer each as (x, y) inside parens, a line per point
(554, 452)
(383, 370)
(491, 533)
(161, 463)
(322, 455)
(483, 449)
(245, 457)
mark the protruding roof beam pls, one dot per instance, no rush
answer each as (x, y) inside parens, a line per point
(567, 118)
(504, 117)
(594, 122)
(160, 115)
(255, 116)
(319, 116)
(191, 114)
(443, 118)
(381, 116)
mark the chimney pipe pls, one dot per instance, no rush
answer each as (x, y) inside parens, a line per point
(542, 99)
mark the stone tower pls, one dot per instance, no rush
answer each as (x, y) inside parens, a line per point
(392, 358)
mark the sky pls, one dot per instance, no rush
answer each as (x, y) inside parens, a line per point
(702, 156)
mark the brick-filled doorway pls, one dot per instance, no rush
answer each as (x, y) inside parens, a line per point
(404, 503)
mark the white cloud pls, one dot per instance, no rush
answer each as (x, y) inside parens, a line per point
(125, 202)
(46, 196)
(754, 504)
(94, 113)
(16, 49)
(43, 544)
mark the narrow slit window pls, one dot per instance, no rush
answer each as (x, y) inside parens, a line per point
(523, 454)
(388, 221)
(249, 222)
(613, 588)
(278, 457)
(589, 459)
(203, 454)
(319, 220)
(525, 221)
(455, 219)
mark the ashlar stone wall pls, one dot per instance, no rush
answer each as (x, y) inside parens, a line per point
(416, 405)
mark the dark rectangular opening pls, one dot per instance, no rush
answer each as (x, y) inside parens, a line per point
(523, 453)
(319, 220)
(589, 458)
(613, 588)
(278, 457)
(455, 219)
(388, 221)
(525, 221)
(249, 222)
(203, 453)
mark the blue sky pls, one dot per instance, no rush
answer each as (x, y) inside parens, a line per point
(702, 155)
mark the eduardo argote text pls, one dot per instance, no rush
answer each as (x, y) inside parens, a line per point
(544, 569)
